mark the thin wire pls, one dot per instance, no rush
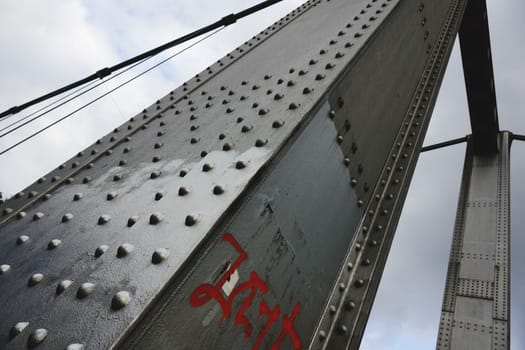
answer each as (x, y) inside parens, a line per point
(107, 93)
(72, 98)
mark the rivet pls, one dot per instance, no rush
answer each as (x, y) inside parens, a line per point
(339, 55)
(17, 329)
(132, 220)
(218, 190)
(67, 217)
(41, 180)
(204, 154)
(302, 72)
(117, 177)
(366, 262)
(46, 196)
(292, 106)
(32, 194)
(78, 196)
(306, 90)
(37, 216)
(267, 76)
(190, 220)
(126, 150)
(124, 250)
(225, 102)
(183, 173)
(240, 164)
(86, 179)
(109, 152)
(255, 87)
(357, 247)
(4, 269)
(260, 143)
(227, 146)
(194, 140)
(332, 42)
(379, 227)
(160, 133)
(21, 215)
(155, 159)
(111, 195)
(365, 229)
(222, 136)
(193, 116)
(101, 250)
(319, 77)
(103, 219)
(22, 239)
(85, 290)
(280, 81)
(349, 266)
(207, 167)
(342, 287)
(342, 329)
(291, 70)
(90, 166)
(75, 346)
(359, 283)
(332, 309)
(156, 218)
(278, 96)
(159, 255)
(290, 83)
(53, 244)
(159, 195)
(154, 174)
(263, 111)
(36, 337)
(35, 279)
(120, 300)
(322, 335)
(55, 178)
(350, 305)
(329, 66)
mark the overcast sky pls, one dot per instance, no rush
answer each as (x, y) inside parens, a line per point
(46, 44)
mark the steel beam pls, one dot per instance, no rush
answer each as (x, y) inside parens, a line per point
(476, 303)
(252, 207)
(474, 40)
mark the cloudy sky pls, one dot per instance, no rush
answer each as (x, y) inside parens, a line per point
(46, 44)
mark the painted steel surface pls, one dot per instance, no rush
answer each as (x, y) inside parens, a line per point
(282, 168)
(476, 304)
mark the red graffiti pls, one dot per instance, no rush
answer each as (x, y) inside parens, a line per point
(205, 292)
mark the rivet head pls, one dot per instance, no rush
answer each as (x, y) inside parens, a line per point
(302, 72)
(339, 55)
(85, 290)
(35, 279)
(132, 220)
(277, 124)
(190, 220)
(194, 140)
(240, 164)
(37, 216)
(117, 177)
(246, 128)
(319, 77)
(36, 337)
(340, 139)
(111, 195)
(159, 255)
(46, 196)
(7, 211)
(346, 161)
(260, 143)
(359, 283)
(331, 114)
(22, 239)
(290, 83)
(21, 215)
(329, 66)
(158, 196)
(101, 250)
(154, 174)
(342, 329)
(182, 191)
(156, 159)
(207, 167)
(124, 250)
(75, 346)
(218, 190)
(78, 196)
(332, 309)
(4, 269)
(350, 305)
(360, 203)
(67, 217)
(349, 266)
(322, 335)
(366, 262)
(293, 106)
(342, 287)
(54, 243)
(120, 300)
(17, 329)
(155, 218)
(263, 111)
(62, 286)
(86, 179)
(32, 194)
(278, 96)
(103, 219)
(306, 90)
(227, 146)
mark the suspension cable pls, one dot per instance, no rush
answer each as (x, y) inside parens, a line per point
(104, 72)
(106, 93)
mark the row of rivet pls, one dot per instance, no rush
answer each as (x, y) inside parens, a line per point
(365, 261)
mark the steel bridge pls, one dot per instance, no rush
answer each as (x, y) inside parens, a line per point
(255, 205)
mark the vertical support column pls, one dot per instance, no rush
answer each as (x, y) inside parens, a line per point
(475, 311)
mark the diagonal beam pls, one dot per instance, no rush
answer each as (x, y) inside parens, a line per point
(479, 76)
